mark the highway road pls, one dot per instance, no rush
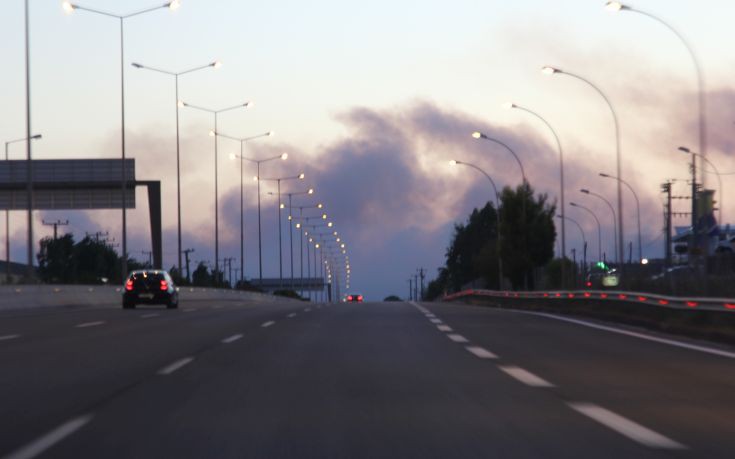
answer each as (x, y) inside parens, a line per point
(228, 380)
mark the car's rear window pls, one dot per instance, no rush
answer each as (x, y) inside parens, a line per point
(146, 280)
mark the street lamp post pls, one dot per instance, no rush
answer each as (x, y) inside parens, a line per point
(215, 114)
(618, 155)
(616, 7)
(511, 105)
(280, 206)
(638, 210)
(584, 240)
(7, 211)
(717, 173)
(615, 219)
(497, 204)
(301, 244)
(290, 224)
(69, 8)
(599, 228)
(242, 158)
(216, 65)
(480, 135)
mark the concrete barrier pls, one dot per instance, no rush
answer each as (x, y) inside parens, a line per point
(34, 296)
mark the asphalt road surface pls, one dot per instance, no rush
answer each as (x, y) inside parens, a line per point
(354, 380)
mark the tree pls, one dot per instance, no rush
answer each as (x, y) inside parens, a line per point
(201, 277)
(527, 233)
(465, 255)
(55, 259)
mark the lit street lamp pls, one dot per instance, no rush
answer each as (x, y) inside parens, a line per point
(553, 71)
(638, 208)
(480, 135)
(510, 105)
(70, 8)
(290, 224)
(242, 141)
(7, 211)
(215, 114)
(280, 206)
(497, 205)
(615, 219)
(216, 65)
(301, 232)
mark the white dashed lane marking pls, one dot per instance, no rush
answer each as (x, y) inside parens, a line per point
(189, 310)
(167, 370)
(481, 352)
(292, 315)
(307, 310)
(40, 445)
(268, 324)
(444, 328)
(626, 427)
(457, 338)
(149, 316)
(231, 339)
(9, 337)
(91, 324)
(526, 377)
(435, 321)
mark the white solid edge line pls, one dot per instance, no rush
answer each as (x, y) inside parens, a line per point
(90, 324)
(444, 328)
(9, 337)
(525, 376)
(175, 366)
(267, 324)
(40, 445)
(670, 342)
(626, 427)
(458, 338)
(481, 352)
(231, 339)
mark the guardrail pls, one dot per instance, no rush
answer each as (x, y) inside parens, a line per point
(672, 302)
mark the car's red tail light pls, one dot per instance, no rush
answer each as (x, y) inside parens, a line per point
(359, 297)
(349, 297)
(129, 285)
(164, 285)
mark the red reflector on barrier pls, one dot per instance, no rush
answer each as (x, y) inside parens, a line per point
(558, 295)
(692, 304)
(546, 295)
(729, 306)
(663, 302)
(642, 298)
(603, 295)
(623, 297)
(571, 295)
(587, 294)
(589, 284)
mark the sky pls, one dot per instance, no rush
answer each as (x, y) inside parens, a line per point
(371, 100)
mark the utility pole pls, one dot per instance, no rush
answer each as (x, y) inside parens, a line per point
(694, 240)
(55, 224)
(422, 275)
(98, 235)
(186, 255)
(666, 188)
(416, 287)
(410, 289)
(228, 265)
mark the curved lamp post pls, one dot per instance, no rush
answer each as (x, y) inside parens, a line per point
(242, 159)
(617, 7)
(215, 65)
(215, 114)
(584, 241)
(599, 228)
(554, 71)
(70, 8)
(614, 216)
(480, 135)
(638, 210)
(497, 205)
(510, 105)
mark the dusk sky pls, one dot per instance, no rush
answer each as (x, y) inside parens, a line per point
(371, 100)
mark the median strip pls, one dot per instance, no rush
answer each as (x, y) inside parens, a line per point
(40, 445)
(626, 427)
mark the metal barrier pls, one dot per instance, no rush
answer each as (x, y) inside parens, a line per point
(672, 302)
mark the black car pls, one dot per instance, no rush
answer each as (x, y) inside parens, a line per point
(150, 287)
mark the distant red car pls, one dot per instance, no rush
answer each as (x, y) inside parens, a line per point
(354, 298)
